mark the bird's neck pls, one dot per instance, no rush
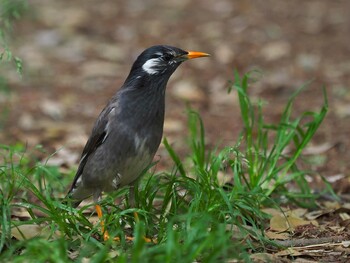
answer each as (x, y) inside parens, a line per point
(143, 99)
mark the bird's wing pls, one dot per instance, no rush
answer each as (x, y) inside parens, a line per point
(98, 136)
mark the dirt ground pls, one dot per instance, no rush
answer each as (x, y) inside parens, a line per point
(76, 54)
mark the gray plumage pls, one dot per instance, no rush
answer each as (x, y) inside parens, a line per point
(128, 131)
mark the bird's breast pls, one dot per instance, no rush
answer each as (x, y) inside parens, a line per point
(134, 166)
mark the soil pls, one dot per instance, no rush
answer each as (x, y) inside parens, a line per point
(77, 54)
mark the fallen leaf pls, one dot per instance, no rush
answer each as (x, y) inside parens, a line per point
(276, 235)
(23, 232)
(20, 212)
(297, 212)
(272, 211)
(289, 252)
(264, 257)
(223, 178)
(344, 216)
(316, 214)
(335, 178)
(346, 243)
(303, 260)
(318, 149)
(331, 205)
(288, 223)
(313, 252)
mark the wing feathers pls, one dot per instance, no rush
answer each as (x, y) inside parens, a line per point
(98, 136)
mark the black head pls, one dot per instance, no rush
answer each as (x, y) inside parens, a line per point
(161, 61)
(142, 97)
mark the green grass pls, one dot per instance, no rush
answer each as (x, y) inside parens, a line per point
(193, 216)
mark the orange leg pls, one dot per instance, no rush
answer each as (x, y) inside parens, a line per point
(105, 232)
(147, 240)
(102, 223)
(136, 216)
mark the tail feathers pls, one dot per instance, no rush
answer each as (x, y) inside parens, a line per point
(71, 198)
(75, 203)
(70, 201)
(76, 195)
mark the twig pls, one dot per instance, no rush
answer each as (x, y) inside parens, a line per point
(309, 242)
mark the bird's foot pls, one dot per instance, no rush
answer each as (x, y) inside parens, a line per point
(146, 239)
(128, 238)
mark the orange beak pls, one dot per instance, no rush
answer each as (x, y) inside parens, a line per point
(196, 54)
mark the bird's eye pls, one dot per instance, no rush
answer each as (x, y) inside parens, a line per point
(167, 57)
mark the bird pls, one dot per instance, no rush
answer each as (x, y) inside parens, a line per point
(127, 133)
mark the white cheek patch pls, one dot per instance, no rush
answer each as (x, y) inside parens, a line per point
(150, 66)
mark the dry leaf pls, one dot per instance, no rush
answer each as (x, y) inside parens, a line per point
(288, 223)
(278, 236)
(299, 212)
(316, 214)
(23, 232)
(289, 252)
(303, 260)
(337, 229)
(20, 212)
(223, 178)
(318, 149)
(272, 211)
(346, 243)
(264, 257)
(331, 205)
(346, 206)
(344, 216)
(314, 252)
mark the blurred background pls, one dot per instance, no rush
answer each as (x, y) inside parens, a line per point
(76, 54)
